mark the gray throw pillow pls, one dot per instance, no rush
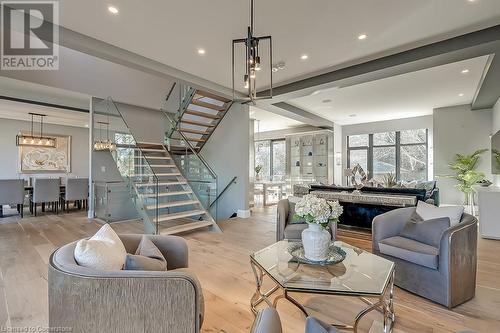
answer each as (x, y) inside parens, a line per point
(291, 215)
(147, 257)
(425, 231)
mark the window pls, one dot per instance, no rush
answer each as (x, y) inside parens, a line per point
(263, 158)
(278, 161)
(270, 154)
(413, 149)
(403, 154)
(124, 155)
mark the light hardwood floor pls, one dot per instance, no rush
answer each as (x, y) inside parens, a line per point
(221, 260)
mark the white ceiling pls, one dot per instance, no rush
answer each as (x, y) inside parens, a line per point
(171, 32)
(19, 111)
(268, 121)
(403, 96)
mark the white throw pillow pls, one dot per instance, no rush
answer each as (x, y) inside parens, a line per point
(103, 251)
(429, 212)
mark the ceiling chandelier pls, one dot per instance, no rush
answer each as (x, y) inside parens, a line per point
(104, 145)
(252, 61)
(35, 140)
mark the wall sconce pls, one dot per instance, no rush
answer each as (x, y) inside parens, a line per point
(338, 158)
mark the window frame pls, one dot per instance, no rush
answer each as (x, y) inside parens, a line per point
(271, 162)
(397, 146)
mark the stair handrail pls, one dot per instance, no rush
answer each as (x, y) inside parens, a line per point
(155, 177)
(188, 145)
(233, 181)
(184, 102)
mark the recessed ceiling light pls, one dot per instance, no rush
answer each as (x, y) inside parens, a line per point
(326, 101)
(362, 36)
(465, 71)
(304, 57)
(461, 94)
(113, 10)
(353, 115)
(86, 125)
(201, 51)
(471, 0)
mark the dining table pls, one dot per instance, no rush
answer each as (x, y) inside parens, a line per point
(266, 185)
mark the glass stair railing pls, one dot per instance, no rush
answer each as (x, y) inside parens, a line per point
(200, 176)
(162, 195)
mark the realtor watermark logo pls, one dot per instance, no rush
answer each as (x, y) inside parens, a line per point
(30, 35)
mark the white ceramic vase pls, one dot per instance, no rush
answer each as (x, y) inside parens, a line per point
(316, 241)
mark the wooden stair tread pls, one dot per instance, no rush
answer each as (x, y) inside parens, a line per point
(155, 165)
(197, 123)
(161, 174)
(193, 131)
(185, 227)
(212, 96)
(150, 149)
(174, 204)
(173, 216)
(201, 114)
(181, 182)
(208, 105)
(165, 194)
(156, 157)
(193, 139)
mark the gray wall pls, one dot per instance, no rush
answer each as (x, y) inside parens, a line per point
(385, 126)
(280, 134)
(10, 152)
(85, 74)
(457, 129)
(496, 128)
(227, 151)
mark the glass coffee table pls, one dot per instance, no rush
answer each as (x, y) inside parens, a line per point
(361, 274)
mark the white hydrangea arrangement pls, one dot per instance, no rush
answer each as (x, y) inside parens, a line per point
(318, 210)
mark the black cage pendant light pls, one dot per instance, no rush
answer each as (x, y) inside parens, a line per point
(252, 62)
(33, 139)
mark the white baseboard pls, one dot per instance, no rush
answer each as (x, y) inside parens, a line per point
(244, 213)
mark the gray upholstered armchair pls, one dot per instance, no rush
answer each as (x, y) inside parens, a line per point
(12, 192)
(268, 321)
(88, 300)
(446, 275)
(287, 230)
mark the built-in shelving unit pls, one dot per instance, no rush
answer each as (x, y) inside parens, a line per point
(309, 158)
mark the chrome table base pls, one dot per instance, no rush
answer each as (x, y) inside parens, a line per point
(383, 303)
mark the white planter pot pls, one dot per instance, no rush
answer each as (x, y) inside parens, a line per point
(316, 241)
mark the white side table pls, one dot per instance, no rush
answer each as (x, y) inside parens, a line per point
(489, 211)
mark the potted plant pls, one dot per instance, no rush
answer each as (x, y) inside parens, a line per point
(318, 213)
(466, 174)
(258, 169)
(389, 180)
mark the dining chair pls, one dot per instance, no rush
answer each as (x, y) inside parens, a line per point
(45, 191)
(12, 193)
(77, 190)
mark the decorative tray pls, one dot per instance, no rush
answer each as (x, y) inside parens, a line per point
(335, 255)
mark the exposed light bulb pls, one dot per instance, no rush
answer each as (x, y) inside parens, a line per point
(113, 10)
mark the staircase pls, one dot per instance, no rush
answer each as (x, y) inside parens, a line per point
(165, 195)
(199, 114)
(168, 200)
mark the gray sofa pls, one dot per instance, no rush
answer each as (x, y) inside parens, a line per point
(88, 300)
(446, 275)
(292, 231)
(268, 321)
